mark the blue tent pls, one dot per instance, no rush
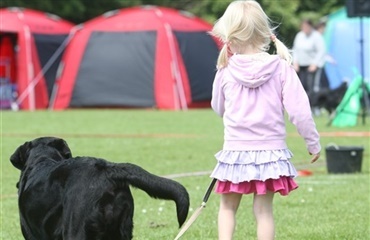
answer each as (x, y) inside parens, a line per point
(342, 37)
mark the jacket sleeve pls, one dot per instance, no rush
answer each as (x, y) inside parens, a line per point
(296, 104)
(218, 98)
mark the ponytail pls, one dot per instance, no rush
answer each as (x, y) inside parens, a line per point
(282, 50)
(223, 57)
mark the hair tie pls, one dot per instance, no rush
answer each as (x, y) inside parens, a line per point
(273, 38)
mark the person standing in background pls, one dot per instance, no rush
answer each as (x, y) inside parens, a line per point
(309, 56)
(320, 27)
(322, 82)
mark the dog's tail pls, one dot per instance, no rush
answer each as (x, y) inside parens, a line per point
(155, 186)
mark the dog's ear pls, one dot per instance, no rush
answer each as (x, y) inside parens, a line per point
(62, 147)
(19, 157)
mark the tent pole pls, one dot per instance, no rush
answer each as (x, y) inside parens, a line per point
(61, 64)
(30, 72)
(28, 52)
(176, 94)
(365, 93)
(177, 75)
(176, 72)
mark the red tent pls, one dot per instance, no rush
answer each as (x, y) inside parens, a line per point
(29, 39)
(139, 57)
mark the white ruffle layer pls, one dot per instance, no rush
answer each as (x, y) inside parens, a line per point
(241, 166)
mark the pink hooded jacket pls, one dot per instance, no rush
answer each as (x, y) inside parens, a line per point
(251, 94)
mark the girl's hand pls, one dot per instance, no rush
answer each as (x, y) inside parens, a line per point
(315, 157)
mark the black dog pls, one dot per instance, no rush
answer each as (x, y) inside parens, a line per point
(329, 98)
(82, 198)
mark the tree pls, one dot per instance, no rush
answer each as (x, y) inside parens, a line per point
(76, 11)
(283, 15)
(286, 14)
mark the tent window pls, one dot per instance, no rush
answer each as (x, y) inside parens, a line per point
(199, 53)
(117, 69)
(47, 45)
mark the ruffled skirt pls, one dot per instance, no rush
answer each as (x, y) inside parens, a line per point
(256, 172)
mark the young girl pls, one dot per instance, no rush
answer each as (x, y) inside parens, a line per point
(251, 91)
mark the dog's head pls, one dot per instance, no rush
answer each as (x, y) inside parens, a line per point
(58, 146)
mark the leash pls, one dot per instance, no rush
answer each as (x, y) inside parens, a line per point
(198, 211)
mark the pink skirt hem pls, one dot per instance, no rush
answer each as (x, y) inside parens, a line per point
(284, 185)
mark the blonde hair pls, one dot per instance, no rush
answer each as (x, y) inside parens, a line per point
(245, 24)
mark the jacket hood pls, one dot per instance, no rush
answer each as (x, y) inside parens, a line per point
(253, 70)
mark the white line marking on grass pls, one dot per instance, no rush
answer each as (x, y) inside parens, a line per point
(188, 174)
(339, 134)
(5, 196)
(105, 135)
(318, 182)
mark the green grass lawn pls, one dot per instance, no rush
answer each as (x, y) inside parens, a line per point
(325, 206)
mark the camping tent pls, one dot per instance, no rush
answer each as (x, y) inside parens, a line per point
(29, 39)
(342, 37)
(144, 56)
